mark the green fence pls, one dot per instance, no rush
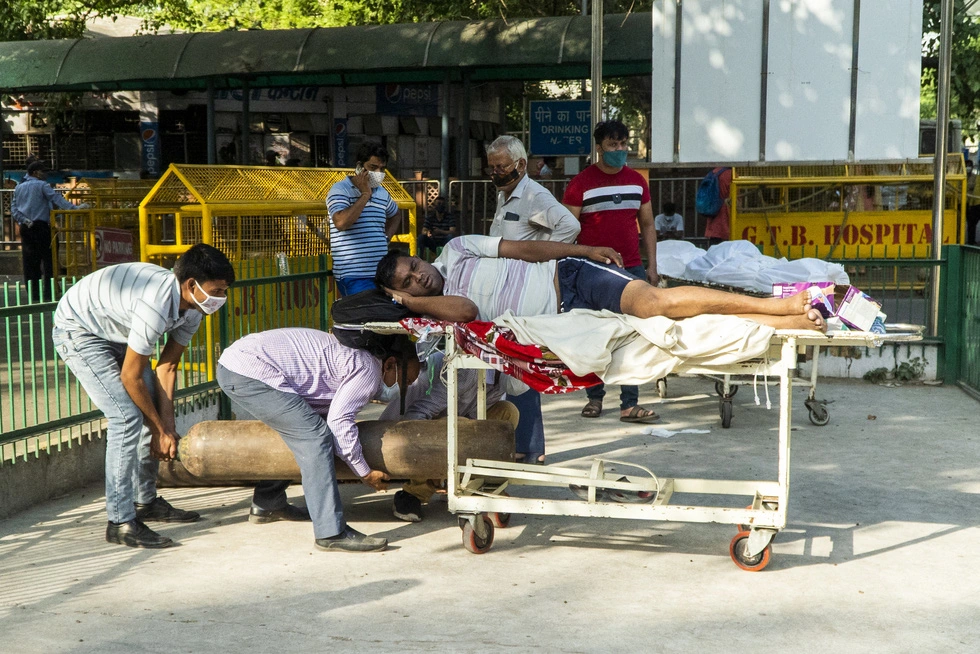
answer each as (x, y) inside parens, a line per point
(962, 316)
(42, 406)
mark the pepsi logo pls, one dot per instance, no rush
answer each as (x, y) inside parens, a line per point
(149, 134)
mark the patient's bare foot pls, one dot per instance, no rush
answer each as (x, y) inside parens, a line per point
(811, 320)
(793, 305)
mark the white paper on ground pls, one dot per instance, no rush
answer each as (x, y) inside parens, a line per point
(666, 433)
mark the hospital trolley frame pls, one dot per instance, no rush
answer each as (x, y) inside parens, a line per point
(477, 490)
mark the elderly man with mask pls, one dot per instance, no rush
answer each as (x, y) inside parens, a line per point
(363, 217)
(526, 211)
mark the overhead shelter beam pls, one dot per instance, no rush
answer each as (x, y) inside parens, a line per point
(542, 48)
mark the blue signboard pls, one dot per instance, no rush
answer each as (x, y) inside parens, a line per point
(341, 143)
(408, 99)
(150, 152)
(561, 128)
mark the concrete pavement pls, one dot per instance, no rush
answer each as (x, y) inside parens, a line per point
(881, 554)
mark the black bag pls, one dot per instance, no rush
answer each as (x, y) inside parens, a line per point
(352, 312)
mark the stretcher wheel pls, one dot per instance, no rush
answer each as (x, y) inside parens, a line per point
(720, 389)
(472, 541)
(662, 388)
(726, 413)
(499, 520)
(750, 563)
(818, 413)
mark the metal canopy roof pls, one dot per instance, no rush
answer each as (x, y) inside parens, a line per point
(543, 48)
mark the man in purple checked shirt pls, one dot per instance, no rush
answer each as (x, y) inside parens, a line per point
(309, 387)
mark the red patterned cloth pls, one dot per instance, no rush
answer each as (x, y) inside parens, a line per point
(537, 367)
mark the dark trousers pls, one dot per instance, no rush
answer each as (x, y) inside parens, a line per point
(629, 396)
(36, 252)
(529, 435)
(431, 243)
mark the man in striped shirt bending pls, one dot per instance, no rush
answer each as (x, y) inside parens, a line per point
(309, 387)
(106, 328)
(363, 218)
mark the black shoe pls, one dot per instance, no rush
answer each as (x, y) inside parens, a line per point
(289, 512)
(351, 540)
(407, 507)
(159, 510)
(135, 534)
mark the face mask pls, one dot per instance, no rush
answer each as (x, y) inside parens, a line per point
(376, 177)
(501, 181)
(210, 304)
(614, 159)
(388, 393)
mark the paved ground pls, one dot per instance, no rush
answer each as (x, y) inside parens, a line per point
(882, 553)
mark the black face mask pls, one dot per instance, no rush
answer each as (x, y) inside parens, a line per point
(503, 180)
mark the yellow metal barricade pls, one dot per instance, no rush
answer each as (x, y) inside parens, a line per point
(84, 240)
(264, 219)
(846, 211)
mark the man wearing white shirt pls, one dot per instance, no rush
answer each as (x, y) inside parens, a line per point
(106, 328)
(526, 211)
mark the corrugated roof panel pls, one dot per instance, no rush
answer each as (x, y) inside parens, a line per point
(120, 59)
(543, 48)
(241, 53)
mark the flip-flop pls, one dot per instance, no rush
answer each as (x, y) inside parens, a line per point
(593, 409)
(634, 416)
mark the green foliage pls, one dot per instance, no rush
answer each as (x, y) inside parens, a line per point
(910, 370)
(964, 101)
(27, 20)
(905, 371)
(876, 376)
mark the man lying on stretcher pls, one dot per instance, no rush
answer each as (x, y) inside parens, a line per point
(481, 277)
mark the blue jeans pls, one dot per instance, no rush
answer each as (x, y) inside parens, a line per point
(130, 470)
(306, 434)
(529, 435)
(352, 285)
(629, 396)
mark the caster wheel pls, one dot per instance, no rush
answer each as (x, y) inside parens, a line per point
(472, 542)
(662, 388)
(750, 563)
(499, 520)
(726, 414)
(818, 413)
(720, 389)
(741, 528)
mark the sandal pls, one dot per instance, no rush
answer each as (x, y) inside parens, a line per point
(593, 409)
(639, 414)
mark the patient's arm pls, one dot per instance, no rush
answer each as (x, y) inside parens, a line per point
(453, 308)
(538, 251)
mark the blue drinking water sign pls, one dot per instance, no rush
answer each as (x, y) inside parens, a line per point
(561, 127)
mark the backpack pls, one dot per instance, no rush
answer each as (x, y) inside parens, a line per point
(352, 312)
(708, 201)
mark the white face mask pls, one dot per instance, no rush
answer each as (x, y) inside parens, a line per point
(388, 393)
(376, 177)
(210, 304)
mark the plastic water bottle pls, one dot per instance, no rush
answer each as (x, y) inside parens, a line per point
(283, 263)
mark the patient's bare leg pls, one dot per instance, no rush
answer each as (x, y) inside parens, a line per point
(810, 320)
(643, 300)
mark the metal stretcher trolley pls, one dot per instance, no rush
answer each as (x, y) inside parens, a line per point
(477, 490)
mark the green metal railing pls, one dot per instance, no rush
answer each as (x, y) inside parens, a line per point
(962, 316)
(44, 408)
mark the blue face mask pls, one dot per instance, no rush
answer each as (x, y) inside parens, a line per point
(614, 159)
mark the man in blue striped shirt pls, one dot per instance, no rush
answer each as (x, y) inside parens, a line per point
(106, 328)
(363, 217)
